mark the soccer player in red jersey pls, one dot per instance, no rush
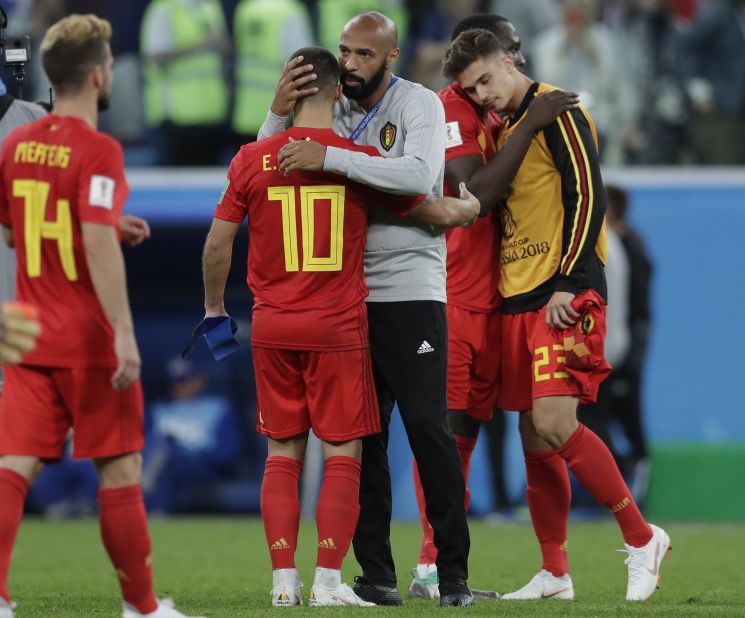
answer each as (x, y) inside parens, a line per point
(309, 336)
(553, 304)
(62, 190)
(473, 264)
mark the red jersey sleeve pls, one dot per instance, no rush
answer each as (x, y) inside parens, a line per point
(233, 204)
(102, 188)
(463, 129)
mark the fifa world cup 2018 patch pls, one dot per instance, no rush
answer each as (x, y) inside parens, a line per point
(452, 135)
(388, 136)
(101, 192)
(224, 190)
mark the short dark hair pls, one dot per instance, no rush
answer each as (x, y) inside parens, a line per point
(617, 200)
(485, 21)
(469, 46)
(325, 66)
(71, 48)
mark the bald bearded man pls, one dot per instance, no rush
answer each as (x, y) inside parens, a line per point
(405, 268)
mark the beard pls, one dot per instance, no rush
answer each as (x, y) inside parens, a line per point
(362, 89)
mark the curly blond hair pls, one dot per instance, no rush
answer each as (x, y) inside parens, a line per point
(72, 47)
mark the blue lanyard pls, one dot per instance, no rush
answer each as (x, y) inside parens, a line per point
(371, 114)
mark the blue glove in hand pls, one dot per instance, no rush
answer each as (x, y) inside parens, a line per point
(220, 335)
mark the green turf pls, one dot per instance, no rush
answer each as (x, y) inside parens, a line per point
(220, 567)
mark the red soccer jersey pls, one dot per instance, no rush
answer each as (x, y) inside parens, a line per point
(473, 252)
(56, 173)
(306, 237)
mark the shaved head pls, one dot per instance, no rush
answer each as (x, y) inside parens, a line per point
(367, 51)
(376, 24)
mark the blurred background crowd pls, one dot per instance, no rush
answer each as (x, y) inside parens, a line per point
(663, 79)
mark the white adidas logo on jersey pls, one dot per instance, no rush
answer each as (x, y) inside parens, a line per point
(424, 348)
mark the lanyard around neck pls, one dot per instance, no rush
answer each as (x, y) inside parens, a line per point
(371, 114)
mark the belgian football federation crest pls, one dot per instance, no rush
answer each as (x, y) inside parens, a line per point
(388, 136)
(587, 323)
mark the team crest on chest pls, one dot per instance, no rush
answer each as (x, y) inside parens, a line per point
(388, 136)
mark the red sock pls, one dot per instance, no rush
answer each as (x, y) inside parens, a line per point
(465, 450)
(338, 510)
(549, 498)
(593, 465)
(280, 509)
(427, 550)
(123, 523)
(13, 490)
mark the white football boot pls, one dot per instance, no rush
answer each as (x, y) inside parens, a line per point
(425, 584)
(165, 609)
(644, 565)
(328, 590)
(286, 586)
(6, 609)
(544, 585)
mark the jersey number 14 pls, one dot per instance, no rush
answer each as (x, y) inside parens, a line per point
(309, 195)
(35, 195)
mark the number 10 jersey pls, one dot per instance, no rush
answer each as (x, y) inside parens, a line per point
(306, 234)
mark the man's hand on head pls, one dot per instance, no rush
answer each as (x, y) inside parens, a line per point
(290, 86)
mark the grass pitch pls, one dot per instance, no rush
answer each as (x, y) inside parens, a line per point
(220, 567)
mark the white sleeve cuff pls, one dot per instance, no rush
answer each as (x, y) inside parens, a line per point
(273, 124)
(337, 160)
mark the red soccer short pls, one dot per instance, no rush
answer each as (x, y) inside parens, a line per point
(473, 361)
(543, 362)
(330, 392)
(40, 404)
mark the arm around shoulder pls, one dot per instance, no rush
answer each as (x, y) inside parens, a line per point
(448, 211)
(418, 169)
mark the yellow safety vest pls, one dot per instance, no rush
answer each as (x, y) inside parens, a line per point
(192, 89)
(258, 27)
(333, 15)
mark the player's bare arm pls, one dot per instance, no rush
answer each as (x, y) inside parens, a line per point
(19, 328)
(134, 230)
(491, 182)
(216, 258)
(290, 87)
(106, 266)
(448, 211)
